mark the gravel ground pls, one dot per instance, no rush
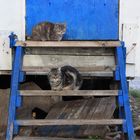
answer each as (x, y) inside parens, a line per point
(135, 107)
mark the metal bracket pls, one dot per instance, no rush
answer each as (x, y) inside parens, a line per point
(13, 39)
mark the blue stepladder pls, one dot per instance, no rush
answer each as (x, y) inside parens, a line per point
(19, 76)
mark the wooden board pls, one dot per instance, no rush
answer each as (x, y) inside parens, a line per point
(71, 51)
(4, 102)
(75, 61)
(97, 62)
(5, 72)
(81, 44)
(80, 69)
(86, 75)
(40, 93)
(63, 122)
(91, 109)
(45, 138)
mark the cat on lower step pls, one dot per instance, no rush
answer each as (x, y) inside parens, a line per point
(65, 78)
(48, 31)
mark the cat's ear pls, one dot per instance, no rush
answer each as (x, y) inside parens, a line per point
(49, 69)
(60, 24)
(65, 24)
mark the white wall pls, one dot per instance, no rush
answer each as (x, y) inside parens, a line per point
(12, 15)
(11, 19)
(130, 19)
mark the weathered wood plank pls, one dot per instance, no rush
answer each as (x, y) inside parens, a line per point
(80, 69)
(79, 109)
(104, 110)
(68, 43)
(69, 93)
(71, 51)
(45, 138)
(69, 122)
(75, 61)
(86, 72)
(5, 72)
(88, 113)
(72, 111)
(86, 75)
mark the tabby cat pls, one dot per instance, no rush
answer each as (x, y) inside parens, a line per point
(65, 78)
(47, 31)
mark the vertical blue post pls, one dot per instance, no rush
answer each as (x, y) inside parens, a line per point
(128, 115)
(17, 65)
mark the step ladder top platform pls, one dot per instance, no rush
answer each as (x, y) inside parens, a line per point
(67, 44)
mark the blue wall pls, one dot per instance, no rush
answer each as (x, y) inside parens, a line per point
(86, 19)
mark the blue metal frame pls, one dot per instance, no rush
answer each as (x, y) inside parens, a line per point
(124, 112)
(14, 95)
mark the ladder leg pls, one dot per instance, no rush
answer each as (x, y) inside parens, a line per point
(17, 64)
(128, 125)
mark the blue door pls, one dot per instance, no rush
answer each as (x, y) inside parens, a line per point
(85, 19)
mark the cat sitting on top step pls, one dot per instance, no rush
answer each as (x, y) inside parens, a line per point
(47, 31)
(65, 78)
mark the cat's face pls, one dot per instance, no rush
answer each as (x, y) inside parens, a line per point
(60, 28)
(55, 77)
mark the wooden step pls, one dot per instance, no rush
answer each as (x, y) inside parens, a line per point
(69, 93)
(68, 122)
(86, 75)
(71, 51)
(68, 44)
(98, 71)
(46, 138)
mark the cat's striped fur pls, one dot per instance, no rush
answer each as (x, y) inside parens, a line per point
(47, 31)
(65, 78)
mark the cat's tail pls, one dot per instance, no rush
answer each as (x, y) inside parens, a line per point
(79, 84)
(77, 80)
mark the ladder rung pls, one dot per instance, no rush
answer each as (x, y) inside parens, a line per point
(45, 138)
(69, 93)
(68, 43)
(68, 122)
